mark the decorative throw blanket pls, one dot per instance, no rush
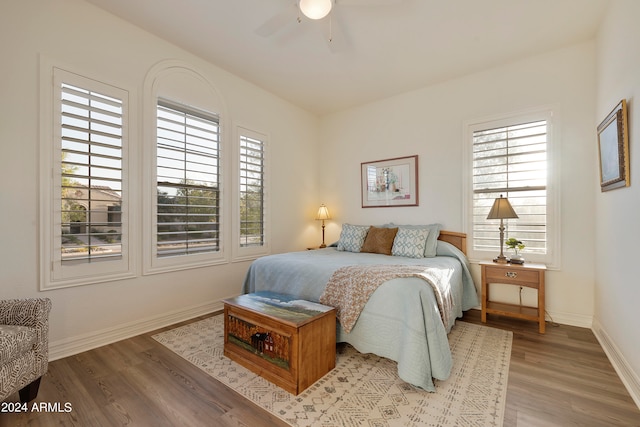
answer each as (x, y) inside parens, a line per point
(349, 289)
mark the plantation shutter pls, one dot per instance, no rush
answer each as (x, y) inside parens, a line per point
(511, 161)
(91, 171)
(188, 181)
(252, 201)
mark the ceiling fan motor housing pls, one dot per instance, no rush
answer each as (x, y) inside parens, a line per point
(315, 9)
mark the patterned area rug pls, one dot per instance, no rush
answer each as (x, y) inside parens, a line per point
(364, 389)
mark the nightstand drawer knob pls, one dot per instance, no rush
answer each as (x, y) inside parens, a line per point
(511, 274)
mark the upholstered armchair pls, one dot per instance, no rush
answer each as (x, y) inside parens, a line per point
(24, 346)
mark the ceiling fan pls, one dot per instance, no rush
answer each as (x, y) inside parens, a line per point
(316, 10)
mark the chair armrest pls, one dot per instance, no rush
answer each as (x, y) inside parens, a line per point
(33, 312)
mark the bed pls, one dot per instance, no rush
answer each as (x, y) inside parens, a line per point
(401, 319)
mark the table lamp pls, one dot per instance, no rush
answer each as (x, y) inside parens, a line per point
(501, 210)
(323, 213)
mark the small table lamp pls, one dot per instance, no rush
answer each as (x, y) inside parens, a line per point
(501, 210)
(323, 213)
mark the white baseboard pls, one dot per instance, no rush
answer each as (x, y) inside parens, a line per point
(571, 319)
(629, 378)
(74, 345)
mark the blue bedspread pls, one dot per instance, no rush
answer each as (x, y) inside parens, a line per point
(401, 319)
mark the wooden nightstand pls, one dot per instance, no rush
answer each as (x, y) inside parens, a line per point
(525, 275)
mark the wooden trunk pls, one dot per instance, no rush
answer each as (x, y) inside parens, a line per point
(291, 346)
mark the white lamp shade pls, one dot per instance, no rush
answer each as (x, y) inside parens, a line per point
(315, 9)
(323, 213)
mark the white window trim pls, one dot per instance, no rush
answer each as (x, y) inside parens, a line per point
(52, 274)
(549, 113)
(250, 253)
(153, 90)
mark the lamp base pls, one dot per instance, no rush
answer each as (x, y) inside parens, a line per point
(322, 246)
(500, 259)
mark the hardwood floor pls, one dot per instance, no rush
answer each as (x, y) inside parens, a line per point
(562, 378)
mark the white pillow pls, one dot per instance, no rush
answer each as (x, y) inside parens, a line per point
(352, 237)
(410, 242)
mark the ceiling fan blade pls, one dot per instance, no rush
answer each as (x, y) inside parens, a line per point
(278, 21)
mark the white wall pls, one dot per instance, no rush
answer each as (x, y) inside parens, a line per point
(429, 122)
(104, 47)
(617, 286)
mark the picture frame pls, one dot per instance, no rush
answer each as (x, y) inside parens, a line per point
(390, 182)
(613, 149)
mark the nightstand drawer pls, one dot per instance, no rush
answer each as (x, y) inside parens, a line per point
(512, 275)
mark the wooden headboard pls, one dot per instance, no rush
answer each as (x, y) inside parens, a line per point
(459, 240)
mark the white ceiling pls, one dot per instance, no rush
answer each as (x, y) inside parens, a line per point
(385, 47)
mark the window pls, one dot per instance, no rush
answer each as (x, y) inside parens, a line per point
(251, 192)
(91, 175)
(510, 157)
(188, 179)
(185, 209)
(251, 211)
(85, 214)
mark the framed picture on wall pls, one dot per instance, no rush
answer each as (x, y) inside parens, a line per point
(390, 182)
(613, 149)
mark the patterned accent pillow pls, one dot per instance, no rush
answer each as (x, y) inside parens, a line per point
(352, 237)
(410, 242)
(430, 247)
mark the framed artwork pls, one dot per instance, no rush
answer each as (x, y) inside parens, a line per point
(613, 149)
(390, 182)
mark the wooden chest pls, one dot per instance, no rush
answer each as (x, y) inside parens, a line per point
(290, 342)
